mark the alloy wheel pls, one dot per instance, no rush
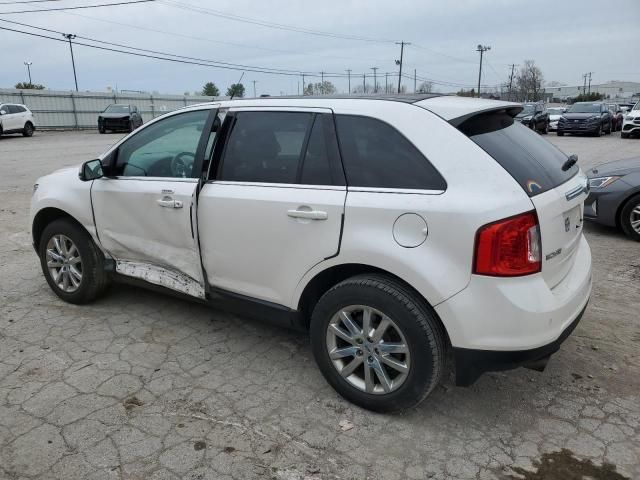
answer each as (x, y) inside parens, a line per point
(368, 349)
(64, 263)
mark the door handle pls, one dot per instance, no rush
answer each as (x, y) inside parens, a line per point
(308, 214)
(169, 203)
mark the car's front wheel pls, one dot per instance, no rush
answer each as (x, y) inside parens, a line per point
(630, 218)
(377, 343)
(72, 264)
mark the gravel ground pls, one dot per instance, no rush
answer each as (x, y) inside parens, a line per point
(142, 386)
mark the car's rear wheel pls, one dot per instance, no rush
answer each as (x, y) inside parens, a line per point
(377, 343)
(630, 218)
(72, 264)
(27, 131)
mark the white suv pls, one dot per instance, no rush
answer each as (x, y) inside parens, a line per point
(394, 230)
(631, 122)
(15, 118)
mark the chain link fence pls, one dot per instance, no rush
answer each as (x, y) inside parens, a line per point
(79, 110)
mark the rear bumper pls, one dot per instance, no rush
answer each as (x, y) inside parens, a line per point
(504, 317)
(470, 364)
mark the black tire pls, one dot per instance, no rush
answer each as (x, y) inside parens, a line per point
(560, 134)
(546, 129)
(608, 132)
(598, 132)
(27, 131)
(625, 217)
(416, 320)
(101, 129)
(624, 135)
(95, 279)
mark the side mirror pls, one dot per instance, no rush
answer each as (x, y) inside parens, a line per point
(90, 170)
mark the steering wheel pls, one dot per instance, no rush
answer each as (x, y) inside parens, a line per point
(179, 164)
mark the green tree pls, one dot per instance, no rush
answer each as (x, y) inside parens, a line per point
(235, 90)
(29, 86)
(210, 90)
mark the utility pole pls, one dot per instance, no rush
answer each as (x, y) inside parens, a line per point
(481, 49)
(375, 79)
(322, 83)
(415, 81)
(70, 37)
(513, 68)
(590, 82)
(399, 62)
(28, 64)
(584, 88)
(349, 77)
(303, 84)
(254, 88)
(364, 84)
(386, 83)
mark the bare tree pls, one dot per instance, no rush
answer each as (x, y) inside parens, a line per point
(529, 81)
(425, 87)
(320, 88)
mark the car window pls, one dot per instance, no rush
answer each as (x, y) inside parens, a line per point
(316, 167)
(19, 108)
(533, 162)
(13, 109)
(376, 155)
(166, 148)
(265, 147)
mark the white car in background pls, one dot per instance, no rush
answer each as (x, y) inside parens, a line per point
(16, 118)
(554, 116)
(631, 122)
(394, 230)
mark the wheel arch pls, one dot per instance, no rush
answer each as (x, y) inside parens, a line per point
(44, 217)
(333, 275)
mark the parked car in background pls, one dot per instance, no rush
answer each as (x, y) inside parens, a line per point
(591, 118)
(534, 116)
(554, 116)
(301, 221)
(118, 117)
(631, 122)
(614, 199)
(617, 116)
(16, 118)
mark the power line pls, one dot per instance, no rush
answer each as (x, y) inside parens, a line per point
(77, 7)
(28, 1)
(267, 24)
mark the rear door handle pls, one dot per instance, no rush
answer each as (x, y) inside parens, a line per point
(169, 203)
(308, 214)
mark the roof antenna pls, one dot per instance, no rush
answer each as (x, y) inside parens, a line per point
(233, 94)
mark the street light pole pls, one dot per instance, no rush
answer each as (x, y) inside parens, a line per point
(70, 36)
(349, 77)
(28, 64)
(481, 49)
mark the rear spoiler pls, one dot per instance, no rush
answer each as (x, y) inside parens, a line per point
(512, 111)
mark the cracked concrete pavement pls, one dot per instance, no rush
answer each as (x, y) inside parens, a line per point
(143, 386)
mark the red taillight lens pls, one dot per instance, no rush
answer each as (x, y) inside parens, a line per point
(509, 247)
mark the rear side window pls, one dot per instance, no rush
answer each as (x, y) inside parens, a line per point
(376, 155)
(281, 147)
(532, 161)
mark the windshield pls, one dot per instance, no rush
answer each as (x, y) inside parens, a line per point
(585, 108)
(117, 109)
(528, 109)
(555, 111)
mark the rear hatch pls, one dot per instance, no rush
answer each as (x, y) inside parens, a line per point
(558, 195)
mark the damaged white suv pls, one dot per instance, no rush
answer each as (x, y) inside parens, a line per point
(392, 229)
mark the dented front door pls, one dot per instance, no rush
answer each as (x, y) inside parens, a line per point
(147, 226)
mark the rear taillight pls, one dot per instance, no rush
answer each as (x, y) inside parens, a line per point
(509, 247)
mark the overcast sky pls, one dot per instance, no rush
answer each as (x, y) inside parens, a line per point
(565, 38)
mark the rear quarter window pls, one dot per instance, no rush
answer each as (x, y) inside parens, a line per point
(531, 160)
(377, 155)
